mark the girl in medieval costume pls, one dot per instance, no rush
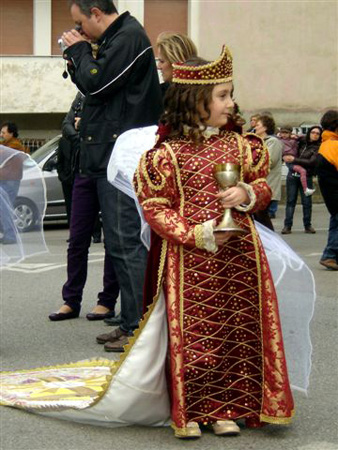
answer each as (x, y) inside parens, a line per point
(227, 359)
(212, 321)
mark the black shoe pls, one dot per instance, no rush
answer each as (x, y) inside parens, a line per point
(113, 321)
(286, 230)
(95, 316)
(96, 240)
(56, 317)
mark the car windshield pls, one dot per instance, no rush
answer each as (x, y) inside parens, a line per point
(43, 151)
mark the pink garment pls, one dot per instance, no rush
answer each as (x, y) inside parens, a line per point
(290, 147)
(302, 173)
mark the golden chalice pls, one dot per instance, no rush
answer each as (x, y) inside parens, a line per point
(227, 175)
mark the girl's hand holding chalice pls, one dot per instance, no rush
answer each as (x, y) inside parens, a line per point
(227, 176)
(233, 196)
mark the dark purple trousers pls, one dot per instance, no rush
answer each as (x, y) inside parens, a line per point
(85, 208)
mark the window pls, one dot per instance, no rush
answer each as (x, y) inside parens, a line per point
(61, 21)
(16, 27)
(163, 15)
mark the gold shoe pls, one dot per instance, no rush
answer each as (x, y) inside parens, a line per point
(226, 428)
(192, 430)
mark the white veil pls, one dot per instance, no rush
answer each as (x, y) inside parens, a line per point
(293, 279)
(295, 287)
(21, 185)
(123, 162)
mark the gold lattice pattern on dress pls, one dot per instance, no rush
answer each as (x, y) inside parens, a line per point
(222, 342)
(197, 175)
(222, 333)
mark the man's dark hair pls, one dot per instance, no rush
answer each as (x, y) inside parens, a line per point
(269, 123)
(329, 121)
(12, 128)
(106, 6)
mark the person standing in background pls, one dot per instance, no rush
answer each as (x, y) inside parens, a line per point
(9, 133)
(306, 157)
(253, 122)
(122, 92)
(265, 129)
(172, 48)
(69, 146)
(291, 144)
(327, 170)
(67, 150)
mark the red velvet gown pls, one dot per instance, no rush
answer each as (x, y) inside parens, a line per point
(226, 350)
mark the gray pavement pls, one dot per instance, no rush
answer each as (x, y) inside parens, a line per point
(31, 291)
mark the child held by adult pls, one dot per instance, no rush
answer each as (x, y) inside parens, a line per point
(306, 157)
(291, 144)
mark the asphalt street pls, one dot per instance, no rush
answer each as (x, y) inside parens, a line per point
(32, 289)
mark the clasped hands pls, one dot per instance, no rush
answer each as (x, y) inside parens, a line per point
(72, 37)
(230, 198)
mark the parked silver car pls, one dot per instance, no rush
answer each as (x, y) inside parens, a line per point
(28, 203)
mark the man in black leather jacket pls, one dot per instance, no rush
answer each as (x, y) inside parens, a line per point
(122, 92)
(121, 84)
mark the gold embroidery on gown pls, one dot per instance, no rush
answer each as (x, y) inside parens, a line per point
(224, 356)
(225, 346)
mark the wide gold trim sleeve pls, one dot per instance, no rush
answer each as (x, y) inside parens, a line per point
(252, 197)
(159, 190)
(255, 170)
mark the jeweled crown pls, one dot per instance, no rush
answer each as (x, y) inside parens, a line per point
(215, 72)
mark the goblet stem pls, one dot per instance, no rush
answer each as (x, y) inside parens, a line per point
(227, 223)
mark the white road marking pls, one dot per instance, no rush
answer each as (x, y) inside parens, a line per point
(298, 230)
(39, 268)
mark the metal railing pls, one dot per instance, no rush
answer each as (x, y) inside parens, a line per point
(33, 143)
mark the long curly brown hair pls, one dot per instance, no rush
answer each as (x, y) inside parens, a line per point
(183, 105)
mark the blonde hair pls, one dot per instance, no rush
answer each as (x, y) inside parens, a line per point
(176, 47)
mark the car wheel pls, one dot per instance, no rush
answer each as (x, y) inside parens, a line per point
(25, 215)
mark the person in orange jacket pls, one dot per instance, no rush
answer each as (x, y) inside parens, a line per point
(327, 170)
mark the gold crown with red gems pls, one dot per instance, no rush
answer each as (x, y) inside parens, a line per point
(215, 72)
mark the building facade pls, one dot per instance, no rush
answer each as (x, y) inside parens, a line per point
(285, 54)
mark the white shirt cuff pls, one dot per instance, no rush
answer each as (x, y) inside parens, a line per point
(209, 237)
